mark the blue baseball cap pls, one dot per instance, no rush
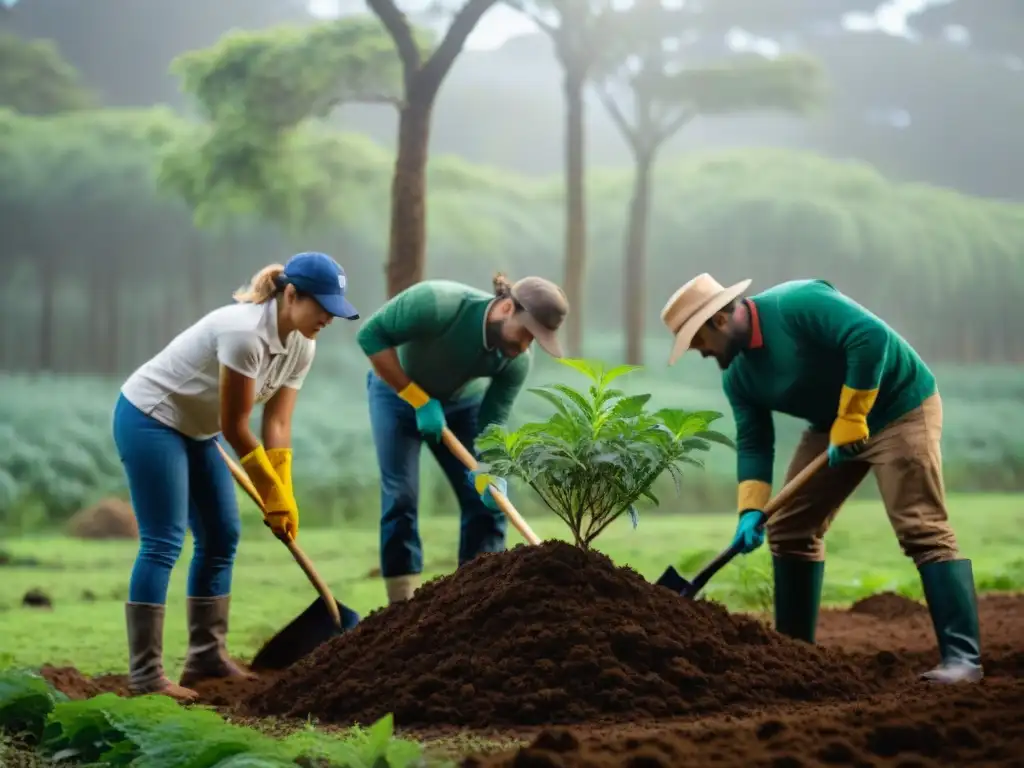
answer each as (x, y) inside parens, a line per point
(322, 278)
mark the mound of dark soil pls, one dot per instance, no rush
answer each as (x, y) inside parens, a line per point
(551, 634)
(107, 519)
(974, 725)
(888, 606)
(36, 598)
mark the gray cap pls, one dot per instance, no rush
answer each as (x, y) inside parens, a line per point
(546, 307)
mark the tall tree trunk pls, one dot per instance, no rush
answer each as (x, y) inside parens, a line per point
(97, 318)
(111, 309)
(48, 284)
(575, 209)
(635, 262)
(196, 280)
(408, 241)
(422, 80)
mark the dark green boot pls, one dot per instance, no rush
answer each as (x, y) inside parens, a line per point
(949, 590)
(797, 596)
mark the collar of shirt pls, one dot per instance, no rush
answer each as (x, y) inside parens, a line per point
(483, 324)
(267, 328)
(756, 337)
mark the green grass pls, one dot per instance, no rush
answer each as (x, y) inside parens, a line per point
(269, 589)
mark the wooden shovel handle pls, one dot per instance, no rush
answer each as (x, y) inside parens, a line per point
(727, 555)
(459, 450)
(795, 485)
(242, 478)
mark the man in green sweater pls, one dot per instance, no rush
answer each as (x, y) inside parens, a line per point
(431, 347)
(804, 349)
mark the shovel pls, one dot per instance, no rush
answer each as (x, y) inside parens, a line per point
(671, 578)
(322, 620)
(459, 451)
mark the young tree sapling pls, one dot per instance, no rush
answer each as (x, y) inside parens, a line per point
(600, 451)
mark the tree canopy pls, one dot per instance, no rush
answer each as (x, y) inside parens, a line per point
(36, 80)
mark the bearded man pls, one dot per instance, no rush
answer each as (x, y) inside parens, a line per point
(804, 349)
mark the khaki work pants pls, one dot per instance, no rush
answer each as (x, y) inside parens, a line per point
(907, 463)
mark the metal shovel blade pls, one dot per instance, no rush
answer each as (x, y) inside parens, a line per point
(310, 629)
(672, 579)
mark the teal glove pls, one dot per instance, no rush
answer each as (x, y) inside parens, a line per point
(837, 454)
(482, 482)
(749, 535)
(430, 419)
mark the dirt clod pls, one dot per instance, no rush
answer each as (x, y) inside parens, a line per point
(888, 606)
(552, 635)
(36, 598)
(107, 519)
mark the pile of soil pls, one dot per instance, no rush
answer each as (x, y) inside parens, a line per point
(551, 634)
(889, 606)
(954, 725)
(36, 598)
(107, 519)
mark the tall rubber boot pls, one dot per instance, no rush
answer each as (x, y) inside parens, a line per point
(145, 653)
(953, 604)
(401, 587)
(207, 657)
(797, 596)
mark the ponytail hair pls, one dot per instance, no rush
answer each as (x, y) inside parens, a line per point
(263, 286)
(502, 286)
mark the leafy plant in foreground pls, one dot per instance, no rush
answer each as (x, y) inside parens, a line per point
(600, 452)
(157, 732)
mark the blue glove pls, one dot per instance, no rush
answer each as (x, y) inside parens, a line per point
(837, 454)
(430, 419)
(748, 535)
(482, 482)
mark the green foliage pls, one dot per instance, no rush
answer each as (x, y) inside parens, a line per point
(157, 732)
(26, 700)
(36, 80)
(258, 89)
(600, 451)
(648, 82)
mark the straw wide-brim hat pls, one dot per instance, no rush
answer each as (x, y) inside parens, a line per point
(692, 306)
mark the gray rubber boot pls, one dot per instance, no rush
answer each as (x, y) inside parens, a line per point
(207, 657)
(952, 602)
(145, 623)
(401, 587)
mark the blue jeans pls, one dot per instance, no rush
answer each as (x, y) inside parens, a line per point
(176, 483)
(398, 442)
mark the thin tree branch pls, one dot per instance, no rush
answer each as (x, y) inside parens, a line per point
(629, 132)
(666, 131)
(397, 25)
(454, 41)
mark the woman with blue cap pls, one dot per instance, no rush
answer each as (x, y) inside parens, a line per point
(167, 421)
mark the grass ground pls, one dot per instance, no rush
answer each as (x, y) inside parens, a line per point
(88, 581)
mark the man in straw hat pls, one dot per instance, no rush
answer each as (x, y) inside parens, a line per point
(804, 349)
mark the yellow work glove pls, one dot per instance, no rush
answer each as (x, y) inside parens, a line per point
(850, 431)
(281, 513)
(281, 461)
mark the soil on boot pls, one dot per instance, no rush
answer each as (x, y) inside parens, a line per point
(888, 606)
(973, 725)
(552, 634)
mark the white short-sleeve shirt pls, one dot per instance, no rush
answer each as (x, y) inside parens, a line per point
(180, 386)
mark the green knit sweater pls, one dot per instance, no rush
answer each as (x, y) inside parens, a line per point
(808, 341)
(437, 327)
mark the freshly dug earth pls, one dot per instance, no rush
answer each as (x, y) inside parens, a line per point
(107, 519)
(551, 634)
(889, 605)
(972, 725)
(911, 724)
